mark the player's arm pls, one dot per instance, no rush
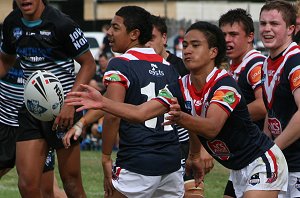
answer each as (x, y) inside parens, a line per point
(92, 99)
(208, 127)
(6, 61)
(266, 128)
(291, 132)
(257, 108)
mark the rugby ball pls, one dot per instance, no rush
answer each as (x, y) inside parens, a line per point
(43, 95)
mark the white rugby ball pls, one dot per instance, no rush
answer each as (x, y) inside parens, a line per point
(43, 95)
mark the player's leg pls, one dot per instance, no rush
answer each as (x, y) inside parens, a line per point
(49, 185)
(58, 192)
(7, 148)
(267, 176)
(69, 170)
(30, 158)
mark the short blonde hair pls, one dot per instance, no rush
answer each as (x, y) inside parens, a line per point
(297, 6)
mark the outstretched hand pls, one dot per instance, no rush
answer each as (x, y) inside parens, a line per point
(174, 113)
(90, 98)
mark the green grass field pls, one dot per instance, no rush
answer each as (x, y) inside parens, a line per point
(92, 175)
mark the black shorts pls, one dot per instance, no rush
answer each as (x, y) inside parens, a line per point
(50, 161)
(184, 147)
(229, 190)
(32, 128)
(8, 135)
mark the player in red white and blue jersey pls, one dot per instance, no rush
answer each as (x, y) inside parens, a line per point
(245, 65)
(281, 82)
(46, 39)
(214, 110)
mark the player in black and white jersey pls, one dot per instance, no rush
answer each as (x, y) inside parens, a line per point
(281, 82)
(245, 65)
(46, 39)
(214, 109)
(11, 100)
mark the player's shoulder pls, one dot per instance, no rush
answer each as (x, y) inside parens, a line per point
(59, 18)
(12, 16)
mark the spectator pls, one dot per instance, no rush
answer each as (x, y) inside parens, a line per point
(105, 47)
(178, 42)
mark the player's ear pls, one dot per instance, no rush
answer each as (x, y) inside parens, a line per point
(134, 34)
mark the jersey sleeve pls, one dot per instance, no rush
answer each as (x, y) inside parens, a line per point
(227, 97)
(254, 75)
(170, 91)
(294, 78)
(117, 72)
(7, 33)
(72, 37)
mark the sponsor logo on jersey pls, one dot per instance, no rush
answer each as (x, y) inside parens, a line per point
(274, 126)
(255, 75)
(188, 106)
(113, 77)
(78, 38)
(297, 185)
(165, 93)
(295, 79)
(219, 148)
(45, 33)
(155, 71)
(17, 32)
(229, 97)
(254, 180)
(35, 108)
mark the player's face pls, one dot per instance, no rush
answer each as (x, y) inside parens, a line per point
(158, 41)
(274, 32)
(238, 43)
(31, 9)
(119, 39)
(297, 25)
(196, 53)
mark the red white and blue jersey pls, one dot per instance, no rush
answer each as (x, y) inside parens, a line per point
(49, 43)
(248, 76)
(281, 77)
(145, 148)
(240, 141)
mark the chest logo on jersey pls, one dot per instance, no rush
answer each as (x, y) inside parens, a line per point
(155, 71)
(17, 32)
(219, 148)
(274, 126)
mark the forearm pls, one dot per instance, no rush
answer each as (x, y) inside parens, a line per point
(291, 132)
(6, 62)
(257, 109)
(133, 113)
(109, 134)
(92, 116)
(198, 125)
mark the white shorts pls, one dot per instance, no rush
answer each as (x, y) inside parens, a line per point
(136, 185)
(293, 186)
(269, 172)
